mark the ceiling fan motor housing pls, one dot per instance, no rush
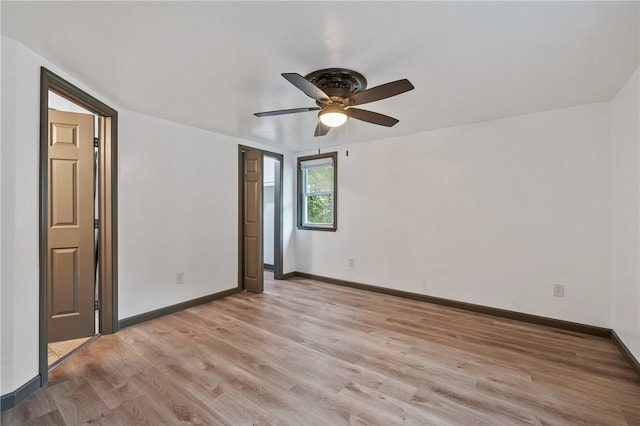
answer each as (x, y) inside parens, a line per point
(338, 83)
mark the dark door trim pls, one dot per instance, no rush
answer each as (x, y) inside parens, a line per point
(278, 208)
(108, 206)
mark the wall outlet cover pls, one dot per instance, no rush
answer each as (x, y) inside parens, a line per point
(558, 290)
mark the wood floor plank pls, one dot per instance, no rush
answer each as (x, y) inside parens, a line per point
(311, 353)
(136, 411)
(41, 405)
(77, 401)
(52, 418)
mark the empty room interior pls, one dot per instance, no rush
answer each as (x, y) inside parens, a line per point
(320, 213)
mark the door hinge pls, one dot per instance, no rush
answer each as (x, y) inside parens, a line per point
(96, 142)
(96, 223)
(96, 305)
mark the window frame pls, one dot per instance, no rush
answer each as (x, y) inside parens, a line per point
(301, 193)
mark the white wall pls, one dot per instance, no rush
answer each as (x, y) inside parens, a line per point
(177, 212)
(625, 208)
(493, 213)
(19, 216)
(59, 103)
(19, 219)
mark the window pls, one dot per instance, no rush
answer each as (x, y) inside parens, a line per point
(317, 177)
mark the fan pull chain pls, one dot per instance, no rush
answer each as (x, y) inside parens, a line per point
(346, 134)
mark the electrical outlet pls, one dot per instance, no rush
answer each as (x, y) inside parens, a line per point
(352, 263)
(180, 278)
(558, 290)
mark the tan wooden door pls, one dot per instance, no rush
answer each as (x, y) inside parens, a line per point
(70, 274)
(252, 271)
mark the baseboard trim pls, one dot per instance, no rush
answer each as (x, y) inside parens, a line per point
(633, 361)
(268, 267)
(497, 312)
(12, 399)
(137, 319)
(288, 275)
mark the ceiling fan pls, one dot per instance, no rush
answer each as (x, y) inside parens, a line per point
(336, 91)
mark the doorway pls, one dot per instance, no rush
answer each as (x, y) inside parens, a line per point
(78, 258)
(72, 294)
(260, 203)
(268, 207)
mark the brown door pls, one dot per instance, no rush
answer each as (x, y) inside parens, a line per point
(252, 264)
(70, 274)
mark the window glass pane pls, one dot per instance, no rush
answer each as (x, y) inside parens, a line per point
(319, 179)
(317, 194)
(319, 209)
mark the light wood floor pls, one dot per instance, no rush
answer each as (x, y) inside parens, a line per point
(58, 350)
(307, 353)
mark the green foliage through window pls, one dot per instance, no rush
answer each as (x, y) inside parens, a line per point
(319, 209)
(320, 179)
(316, 177)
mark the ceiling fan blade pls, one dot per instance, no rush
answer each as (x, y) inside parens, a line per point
(381, 92)
(321, 129)
(285, 111)
(306, 86)
(371, 117)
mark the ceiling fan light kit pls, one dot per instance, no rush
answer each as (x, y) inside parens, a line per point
(333, 116)
(336, 91)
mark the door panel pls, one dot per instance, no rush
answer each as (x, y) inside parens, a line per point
(63, 192)
(252, 276)
(70, 274)
(64, 279)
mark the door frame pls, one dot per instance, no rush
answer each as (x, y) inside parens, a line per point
(107, 195)
(277, 214)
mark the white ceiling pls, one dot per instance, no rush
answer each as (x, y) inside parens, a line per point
(213, 64)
